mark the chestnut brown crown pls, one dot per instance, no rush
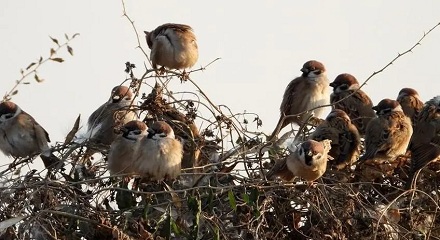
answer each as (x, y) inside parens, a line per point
(312, 66)
(386, 106)
(8, 107)
(121, 92)
(344, 81)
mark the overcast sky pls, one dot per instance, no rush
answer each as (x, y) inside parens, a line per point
(262, 46)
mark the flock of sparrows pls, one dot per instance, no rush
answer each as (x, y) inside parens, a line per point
(153, 151)
(390, 128)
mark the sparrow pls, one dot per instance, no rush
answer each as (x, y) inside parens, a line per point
(410, 101)
(425, 141)
(22, 136)
(308, 160)
(116, 112)
(123, 148)
(344, 136)
(303, 94)
(348, 97)
(388, 135)
(159, 154)
(173, 46)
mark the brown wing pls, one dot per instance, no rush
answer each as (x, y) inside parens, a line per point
(358, 106)
(325, 131)
(350, 145)
(376, 136)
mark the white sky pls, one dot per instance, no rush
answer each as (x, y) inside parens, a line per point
(263, 44)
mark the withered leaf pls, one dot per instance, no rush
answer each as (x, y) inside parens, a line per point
(38, 79)
(14, 92)
(30, 65)
(52, 52)
(54, 40)
(60, 60)
(40, 60)
(65, 35)
(73, 131)
(70, 50)
(74, 35)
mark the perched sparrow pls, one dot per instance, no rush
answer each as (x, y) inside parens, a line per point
(159, 154)
(173, 46)
(303, 94)
(410, 101)
(355, 103)
(425, 141)
(308, 160)
(22, 136)
(114, 113)
(123, 148)
(344, 136)
(388, 135)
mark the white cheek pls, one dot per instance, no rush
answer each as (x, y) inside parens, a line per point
(313, 75)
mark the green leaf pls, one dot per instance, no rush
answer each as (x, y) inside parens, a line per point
(60, 60)
(175, 228)
(245, 198)
(195, 206)
(70, 50)
(30, 65)
(232, 200)
(254, 195)
(54, 40)
(216, 233)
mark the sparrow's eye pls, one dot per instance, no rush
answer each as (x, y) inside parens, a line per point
(137, 132)
(7, 116)
(343, 87)
(385, 111)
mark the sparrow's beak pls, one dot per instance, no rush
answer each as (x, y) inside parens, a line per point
(151, 132)
(304, 70)
(146, 33)
(375, 108)
(332, 84)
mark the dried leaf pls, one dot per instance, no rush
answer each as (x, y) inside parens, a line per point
(14, 92)
(70, 50)
(40, 60)
(176, 199)
(60, 60)
(10, 222)
(21, 71)
(30, 65)
(52, 52)
(54, 40)
(74, 35)
(74, 130)
(25, 83)
(38, 79)
(65, 35)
